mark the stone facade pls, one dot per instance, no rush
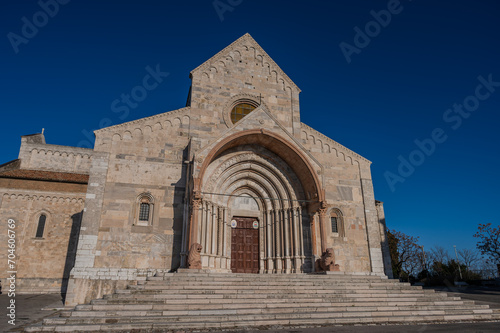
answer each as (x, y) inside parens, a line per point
(43, 181)
(159, 184)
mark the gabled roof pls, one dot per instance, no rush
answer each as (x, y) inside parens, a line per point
(63, 177)
(11, 165)
(248, 40)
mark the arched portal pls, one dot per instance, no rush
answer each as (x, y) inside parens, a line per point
(252, 198)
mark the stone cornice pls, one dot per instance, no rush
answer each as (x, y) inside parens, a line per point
(143, 120)
(44, 197)
(335, 143)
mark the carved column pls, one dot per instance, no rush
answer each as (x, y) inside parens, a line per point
(224, 238)
(270, 264)
(210, 221)
(203, 227)
(296, 255)
(220, 230)
(286, 236)
(312, 217)
(265, 237)
(277, 236)
(301, 239)
(322, 226)
(193, 223)
(215, 230)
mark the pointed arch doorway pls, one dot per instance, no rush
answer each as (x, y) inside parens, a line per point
(285, 192)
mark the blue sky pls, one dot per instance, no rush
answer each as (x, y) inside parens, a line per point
(397, 87)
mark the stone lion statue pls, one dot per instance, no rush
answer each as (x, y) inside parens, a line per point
(194, 257)
(327, 262)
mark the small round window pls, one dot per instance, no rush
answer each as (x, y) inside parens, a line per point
(240, 111)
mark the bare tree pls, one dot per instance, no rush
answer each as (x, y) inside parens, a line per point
(427, 263)
(469, 258)
(439, 254)
(489, 241)
(406, 254)
(486, 268)
(440, 258)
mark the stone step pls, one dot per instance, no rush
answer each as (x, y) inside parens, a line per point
(245, 324)
(210, 322)
(280, 283)
(217, 316)
(264, 288)
(312, 306)
(264, 278)
(333, 284)
(270, 288)
(333, 292)
(223, 301)
(269, 280)
(375, 302)
(338, 275)
(290, 296)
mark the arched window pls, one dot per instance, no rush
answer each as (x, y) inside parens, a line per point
(144, 209)
(41, 225)
(337, 222)
(334, 222)
(241, 110)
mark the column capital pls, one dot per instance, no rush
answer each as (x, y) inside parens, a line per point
(196, 202)
(323, 208)
(197, 195)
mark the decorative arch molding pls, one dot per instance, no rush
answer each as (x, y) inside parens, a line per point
(47, 198)
(341, 152)
(153, 125)
(258, 181)
(233, 53)
(43, 151)
(145, 195)
(290, 154)
(335, 210)
(258, 162)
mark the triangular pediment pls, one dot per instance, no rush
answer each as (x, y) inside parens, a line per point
(259, 119)
(230, 54)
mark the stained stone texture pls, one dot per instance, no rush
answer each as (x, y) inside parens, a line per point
(159, 184)
(27, 190)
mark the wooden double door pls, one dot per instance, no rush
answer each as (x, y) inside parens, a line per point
(245, 245)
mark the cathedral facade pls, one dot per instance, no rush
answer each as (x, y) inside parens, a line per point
(234, 171)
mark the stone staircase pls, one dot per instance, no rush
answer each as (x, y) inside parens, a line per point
(197, 301)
